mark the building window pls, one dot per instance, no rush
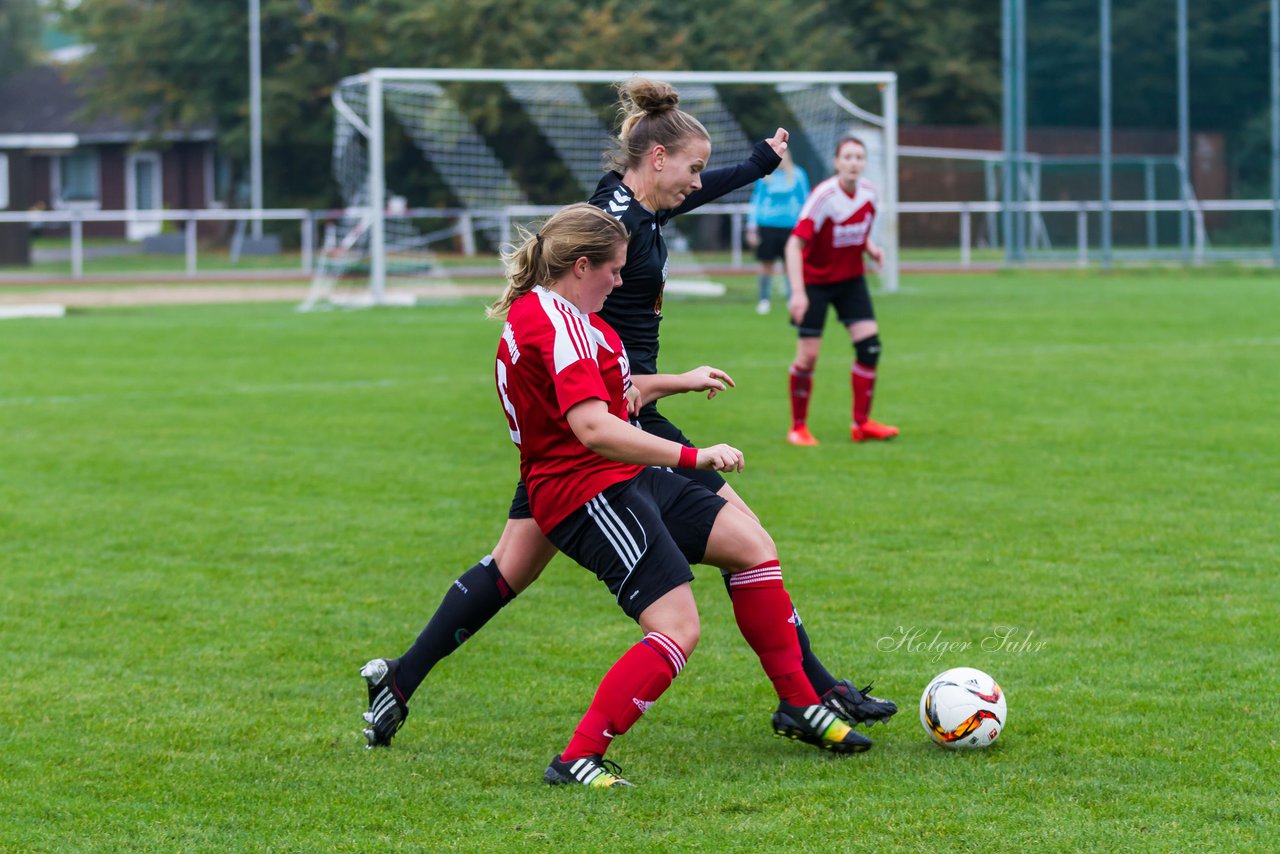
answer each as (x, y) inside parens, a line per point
(77, 176)
(4, 181)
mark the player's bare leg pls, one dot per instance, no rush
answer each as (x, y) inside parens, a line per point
(765, 287)
(522, 553)
(728, 494)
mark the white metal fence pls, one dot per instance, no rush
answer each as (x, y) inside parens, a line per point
(1083, 252)
(188, 220)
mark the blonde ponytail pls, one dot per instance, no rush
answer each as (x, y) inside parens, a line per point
(543, 256)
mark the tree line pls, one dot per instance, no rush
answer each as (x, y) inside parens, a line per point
(173, 62)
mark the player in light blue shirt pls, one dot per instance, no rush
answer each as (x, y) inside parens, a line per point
(775, 209)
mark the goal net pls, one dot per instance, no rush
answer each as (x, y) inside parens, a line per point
(437, 167)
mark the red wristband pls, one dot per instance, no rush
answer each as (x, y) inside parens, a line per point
(688, 458)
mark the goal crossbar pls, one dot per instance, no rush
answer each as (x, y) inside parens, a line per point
(478, 75)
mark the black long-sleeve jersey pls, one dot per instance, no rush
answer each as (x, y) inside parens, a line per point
(634, 309)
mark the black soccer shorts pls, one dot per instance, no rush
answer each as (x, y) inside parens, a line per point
(852, 301)
(773, 242)
(640, 536)
(520, 508)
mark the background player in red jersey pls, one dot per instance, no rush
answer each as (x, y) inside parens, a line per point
(660, 172)
(825, 267)
(597, 492)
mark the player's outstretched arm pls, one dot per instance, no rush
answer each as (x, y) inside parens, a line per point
(611, 437)
(702, 378)
(764, 158)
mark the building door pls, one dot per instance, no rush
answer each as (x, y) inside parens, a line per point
(142, 192)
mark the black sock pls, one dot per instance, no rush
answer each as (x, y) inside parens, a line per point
(472, 600)
(819, 677)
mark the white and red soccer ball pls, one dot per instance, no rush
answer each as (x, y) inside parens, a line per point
(963, 708)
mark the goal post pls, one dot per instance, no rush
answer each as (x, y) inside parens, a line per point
(421, 158)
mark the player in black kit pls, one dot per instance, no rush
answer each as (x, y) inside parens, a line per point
(659, 161)
(653, 181)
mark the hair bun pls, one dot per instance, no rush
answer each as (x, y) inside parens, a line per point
(649, 96)
(649, 114)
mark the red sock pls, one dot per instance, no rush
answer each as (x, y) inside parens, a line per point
(764, 614)
(864, 382)
(627, 691)
(801, 388)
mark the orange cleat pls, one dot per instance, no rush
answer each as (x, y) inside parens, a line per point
(871, 430)
(801, 436)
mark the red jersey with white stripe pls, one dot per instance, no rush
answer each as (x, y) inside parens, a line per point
(550, 358)
(835, 226)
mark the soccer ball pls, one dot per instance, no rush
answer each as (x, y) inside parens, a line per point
(963, 708)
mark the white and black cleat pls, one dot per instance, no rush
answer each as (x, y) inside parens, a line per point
(593, 771)
(387, 706)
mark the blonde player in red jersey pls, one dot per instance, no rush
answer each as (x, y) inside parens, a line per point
(824, 258)
(602, 491)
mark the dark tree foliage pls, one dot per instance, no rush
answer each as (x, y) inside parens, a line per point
(171, 62)
(20, 27)
(946, 54)
(1228, 70)
(1228, 55)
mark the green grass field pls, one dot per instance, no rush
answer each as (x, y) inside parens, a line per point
(210, 517)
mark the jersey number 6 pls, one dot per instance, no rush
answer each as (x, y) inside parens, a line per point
(512, 425)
